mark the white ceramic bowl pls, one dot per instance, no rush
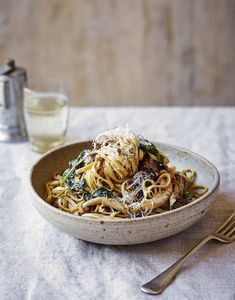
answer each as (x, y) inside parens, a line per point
(124, 231)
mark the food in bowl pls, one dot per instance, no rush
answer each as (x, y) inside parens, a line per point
(122, 176)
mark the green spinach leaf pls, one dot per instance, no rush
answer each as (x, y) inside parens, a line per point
(151, 148)
(72, 184)
(75, 164)
(102, 192)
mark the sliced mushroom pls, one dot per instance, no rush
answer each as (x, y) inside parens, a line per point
(157, 201)
(112, 203)
(150, 166)
(178, 190)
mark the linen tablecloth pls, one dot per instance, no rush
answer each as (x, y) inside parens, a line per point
(37, 261)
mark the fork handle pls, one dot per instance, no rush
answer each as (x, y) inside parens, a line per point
(160, 282)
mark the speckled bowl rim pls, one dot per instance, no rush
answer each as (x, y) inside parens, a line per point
(213, 188)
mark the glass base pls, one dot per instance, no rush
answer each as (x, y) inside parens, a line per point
(45, 144)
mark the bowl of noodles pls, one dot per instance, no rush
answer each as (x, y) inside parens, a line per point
(122, 189)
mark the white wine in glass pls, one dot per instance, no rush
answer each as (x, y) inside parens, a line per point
(46, 117)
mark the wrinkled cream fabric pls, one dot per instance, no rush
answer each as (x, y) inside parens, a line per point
(39, 262)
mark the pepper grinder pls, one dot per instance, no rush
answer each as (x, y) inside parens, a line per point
(13, 79)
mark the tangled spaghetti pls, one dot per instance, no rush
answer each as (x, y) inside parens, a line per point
(122, 176)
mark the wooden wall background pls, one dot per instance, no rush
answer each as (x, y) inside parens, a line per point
(126, 52)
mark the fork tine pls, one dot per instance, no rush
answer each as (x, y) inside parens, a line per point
(225, 224)
(231, 233)
(228, 228)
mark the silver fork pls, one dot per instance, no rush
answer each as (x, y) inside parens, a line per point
(224, 234)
